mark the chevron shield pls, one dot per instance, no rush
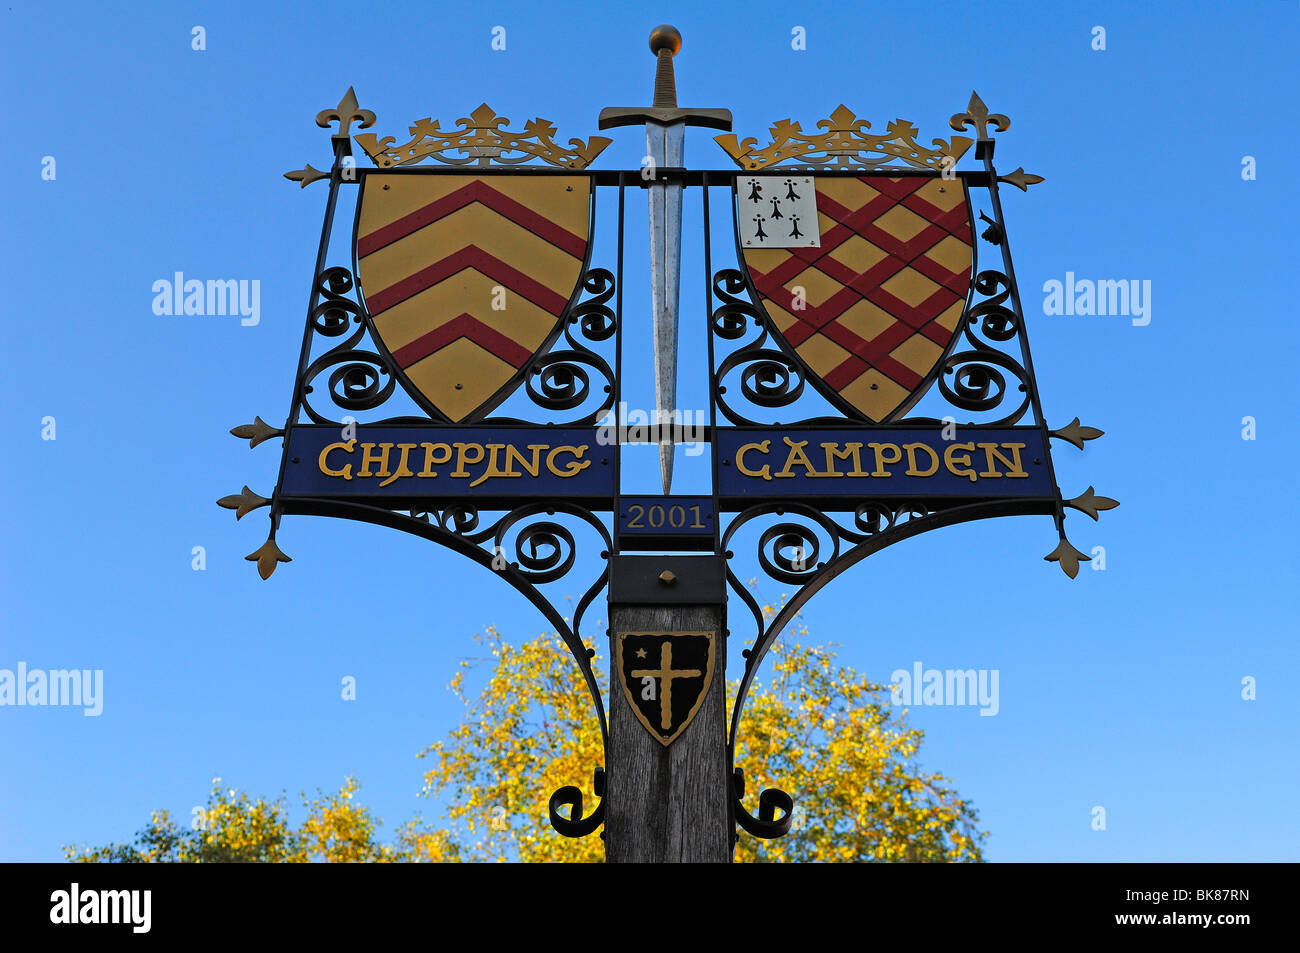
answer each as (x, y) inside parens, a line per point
(871, 298)
(467, 277)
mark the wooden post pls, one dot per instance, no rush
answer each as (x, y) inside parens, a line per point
(668, 804)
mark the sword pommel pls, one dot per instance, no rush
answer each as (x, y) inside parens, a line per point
(665, 41)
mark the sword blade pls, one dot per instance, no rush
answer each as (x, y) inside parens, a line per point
(664, 145)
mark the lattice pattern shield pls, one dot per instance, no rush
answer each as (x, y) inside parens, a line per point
(873, 309)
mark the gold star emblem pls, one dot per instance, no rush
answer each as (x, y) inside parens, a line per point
(640, 653)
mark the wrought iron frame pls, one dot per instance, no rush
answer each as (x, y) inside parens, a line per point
(772, 375)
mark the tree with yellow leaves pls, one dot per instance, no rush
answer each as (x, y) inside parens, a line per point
(233, 827)
(818, 731)
(821, 733)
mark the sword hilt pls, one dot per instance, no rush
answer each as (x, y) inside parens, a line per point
(665, 41)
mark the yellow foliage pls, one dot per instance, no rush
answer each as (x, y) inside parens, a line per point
(818, 731)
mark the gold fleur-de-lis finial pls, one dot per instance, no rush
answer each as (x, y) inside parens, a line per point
(1064, 554)
(267, 556)
(345, 113)
(1090, 503)
(1076, 433)
(978, 117)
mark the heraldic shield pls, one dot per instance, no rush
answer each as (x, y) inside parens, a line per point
(872, 299)
(665, 676)
(467, 277)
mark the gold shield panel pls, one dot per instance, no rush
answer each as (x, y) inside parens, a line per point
(874, 307)
(467, 277)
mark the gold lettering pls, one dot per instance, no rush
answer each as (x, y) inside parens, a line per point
(323, 464)
(368, 457)
(492, 470)
(880, 449)
(911, 449)
(1013, 466)
(796, 455)
(463, 451)
(513, 455)
(572, 468)
(950, 458)
(429, 459)
(402, 469)
(850, 452)
(763, 448)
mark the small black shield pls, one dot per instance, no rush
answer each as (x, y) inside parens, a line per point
(666, 676)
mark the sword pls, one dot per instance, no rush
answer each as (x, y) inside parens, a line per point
(665, 134)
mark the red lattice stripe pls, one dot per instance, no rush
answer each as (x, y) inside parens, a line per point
(866, 285)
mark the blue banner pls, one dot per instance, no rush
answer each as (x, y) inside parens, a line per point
(446, 462)
(776, 464)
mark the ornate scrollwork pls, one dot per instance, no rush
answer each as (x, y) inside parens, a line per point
(795, 541)
(768, 824)
(561, 380)
(791, 552)
(481, 141)
(875, 517)
(335, 313)
(594, 316)
(575, 825)
(359, 385)
(357, 382)
(800, 548)
(544, 551)
(770, 378)
(981, 377)
(807, 541)
(358, 378)
(731, 318)
(459, 518)
(556, 380)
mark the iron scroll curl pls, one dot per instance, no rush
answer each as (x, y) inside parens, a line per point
(563, 379)
(575, 825)
(769, 824)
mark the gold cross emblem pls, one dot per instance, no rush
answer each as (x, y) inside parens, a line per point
(666, 675)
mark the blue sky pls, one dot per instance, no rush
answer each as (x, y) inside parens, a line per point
(1119, 689)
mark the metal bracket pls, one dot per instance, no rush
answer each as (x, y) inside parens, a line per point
(667, 580)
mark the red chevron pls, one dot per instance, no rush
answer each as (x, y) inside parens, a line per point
(476, 191)
(471, 256)
(463, 326)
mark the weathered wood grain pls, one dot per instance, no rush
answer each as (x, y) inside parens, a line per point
(668, 805)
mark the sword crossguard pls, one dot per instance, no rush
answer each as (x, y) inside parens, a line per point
(665, 41)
